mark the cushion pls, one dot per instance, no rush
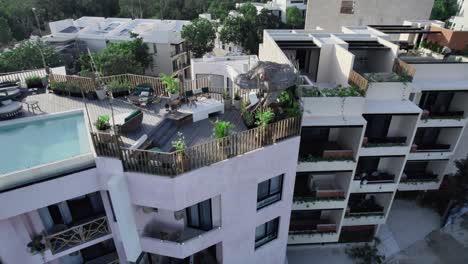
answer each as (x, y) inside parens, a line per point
(144, 94)
(188, 93)
(6, 102)
(132, 115)
(205, 89)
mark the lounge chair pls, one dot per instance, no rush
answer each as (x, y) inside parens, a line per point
(142, 94)
(190, 97)
(128, 122)
(10, 109)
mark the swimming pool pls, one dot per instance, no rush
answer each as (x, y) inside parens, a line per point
(30, 142)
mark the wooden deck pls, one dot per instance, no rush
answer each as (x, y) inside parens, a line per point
(153, 124)
(51, 103)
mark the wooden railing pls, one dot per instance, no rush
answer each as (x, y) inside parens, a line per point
(175, 163)
(358, 80)
(107, 145)
(77, 235)
(402, 68)
(89, 84)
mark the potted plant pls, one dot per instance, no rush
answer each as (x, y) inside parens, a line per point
(34, 82)
(222, 129)
(36, 245)
(118, 88)
(172, 85)
(102, 123)
(227, 101)
(237, 100)
(264, 117)
(101, 93)
(180, 146)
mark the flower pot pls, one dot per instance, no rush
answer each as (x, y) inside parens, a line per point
(227, 104)
(173, 96)
(183, 163)
(101, 94)
(237, 104)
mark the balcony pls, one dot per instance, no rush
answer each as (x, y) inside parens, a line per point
(77, 235)
(373, 142)
(320, 191)
(366, 209)
(314, 226)
(352, 234)
(422, 175)
(434, 142)
(443, 108)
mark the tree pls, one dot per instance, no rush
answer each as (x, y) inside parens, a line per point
(5, 32)
(120, 57)
(458, 184)
(248, 10)
(220, 9)
(27, 55)
(444, 9)
(266, 20)
(232, 30)
(294, 17)
(199, 36)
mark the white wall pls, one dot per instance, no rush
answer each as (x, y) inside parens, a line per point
(326, 13)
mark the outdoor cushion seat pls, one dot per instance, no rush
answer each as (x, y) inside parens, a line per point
(11, 110)
(128, 122)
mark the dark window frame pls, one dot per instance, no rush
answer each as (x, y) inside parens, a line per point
(270, 195)
(267, 237)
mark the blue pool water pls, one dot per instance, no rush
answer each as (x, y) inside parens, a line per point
(39, 142)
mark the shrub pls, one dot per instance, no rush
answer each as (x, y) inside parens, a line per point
(102, 122)
(249, 119)
(366, 254)
(171, 82)
(179, 144)
(34, 81)
(222, 129)
(293, 110)
(264, 117)
(118, 86)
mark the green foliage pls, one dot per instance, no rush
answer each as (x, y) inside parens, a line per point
(118, 86)
(64, 87)
(5, 32)
(444, 9)
(179, 143)
(266, 20)
(27, 55)
(293, 110)
(36, 245)
(232, 30)
(458, 184)
(249, 118)
(264, 117)
(221, 129)
(34, 81)
(339, 91)
(102, 122)
(171, 82)
(120, 58)
(248, 10)
(220, 9)
(366, 254)
(294, 17)
(199, 36)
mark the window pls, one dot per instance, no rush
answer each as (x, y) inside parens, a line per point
(266, 232)
(199, 216)
(269, 191)
(347, 7)
(155, 49)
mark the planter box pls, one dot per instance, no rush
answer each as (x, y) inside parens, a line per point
(329, 193)
(339, 154)
(333, 106)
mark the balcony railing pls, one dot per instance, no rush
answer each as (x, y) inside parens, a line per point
(370, 142)
(376, 177)
(77, 235)
(179, 237)
(311, 226)
(198, 156)
(442, 115)
(420, 177)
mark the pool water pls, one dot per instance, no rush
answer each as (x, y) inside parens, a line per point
(28, 144)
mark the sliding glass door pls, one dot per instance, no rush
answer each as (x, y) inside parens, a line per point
(199, 216)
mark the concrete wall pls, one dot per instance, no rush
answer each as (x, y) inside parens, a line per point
(270, 51)
(326, 13)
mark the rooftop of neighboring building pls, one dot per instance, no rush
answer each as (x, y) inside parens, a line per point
(152, 30)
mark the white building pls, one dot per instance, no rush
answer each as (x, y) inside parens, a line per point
(331, 15)
(460, 21)
(356, 151)
(279, 7)
(162, 36)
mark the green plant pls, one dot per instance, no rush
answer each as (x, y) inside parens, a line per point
(34, 81)
(249, 118)
(237, 96)
(171, 82)
(264, 117)
(118, 86)
(366, 254)
(102, 122)
(36, 245)
(285, 99)
(293, 110)
(179, 143)
(221, 129)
